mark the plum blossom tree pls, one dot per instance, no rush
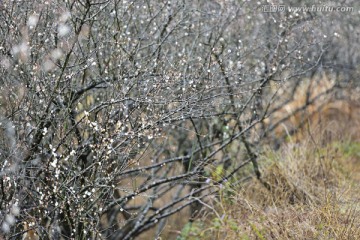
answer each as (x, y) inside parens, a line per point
(117, 114)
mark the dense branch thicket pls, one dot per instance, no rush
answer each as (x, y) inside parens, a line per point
(117, 114)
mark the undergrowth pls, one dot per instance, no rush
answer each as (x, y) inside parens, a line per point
(313, 195)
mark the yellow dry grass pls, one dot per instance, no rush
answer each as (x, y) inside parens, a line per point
(314, 195)
(313, 178)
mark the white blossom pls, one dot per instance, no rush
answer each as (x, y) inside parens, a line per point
(63, 30)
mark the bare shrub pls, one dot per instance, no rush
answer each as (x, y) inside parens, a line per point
(116, 115)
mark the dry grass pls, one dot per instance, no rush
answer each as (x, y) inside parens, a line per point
(314, 180)
(314, 195)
